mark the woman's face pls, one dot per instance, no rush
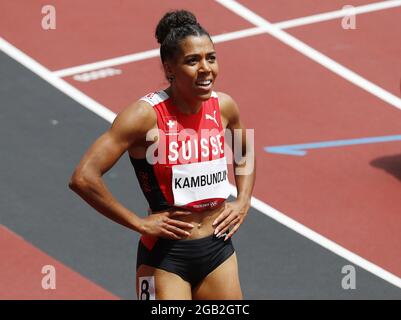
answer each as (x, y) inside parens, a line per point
(194, 68)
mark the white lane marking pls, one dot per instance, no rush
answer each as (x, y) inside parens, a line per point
(60, 84)
(377, 6)
(107, 63)
(97, 74)
(148, 54)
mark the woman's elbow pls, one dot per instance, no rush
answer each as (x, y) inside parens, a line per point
(78, 181)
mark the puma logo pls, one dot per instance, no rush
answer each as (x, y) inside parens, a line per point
(209, 117)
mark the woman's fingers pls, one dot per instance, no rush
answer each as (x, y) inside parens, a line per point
(226, 224)
(177, 231)
(180, 224)
(170, 235)
(222, 216)
(223, 224)
(233, 230)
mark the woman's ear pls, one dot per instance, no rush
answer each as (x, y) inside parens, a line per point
(168, 71)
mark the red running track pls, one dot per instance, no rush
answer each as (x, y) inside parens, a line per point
(21, 274)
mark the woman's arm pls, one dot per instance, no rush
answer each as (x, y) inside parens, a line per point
(129, 128)
(244, 171)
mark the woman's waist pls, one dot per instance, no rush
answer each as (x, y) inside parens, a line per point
(200, 216)
(202, 221)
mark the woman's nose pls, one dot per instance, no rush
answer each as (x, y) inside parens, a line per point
(204, 66)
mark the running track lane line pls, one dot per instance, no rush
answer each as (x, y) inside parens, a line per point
(148, 54)
(259, 205)
(311, 53)
(60, 84)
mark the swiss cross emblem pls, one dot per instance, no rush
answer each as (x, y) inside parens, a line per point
(171, 123)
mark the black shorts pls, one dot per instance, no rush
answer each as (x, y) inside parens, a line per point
(192, 260)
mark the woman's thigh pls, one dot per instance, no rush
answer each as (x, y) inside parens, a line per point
(153, 283)
(221, 284)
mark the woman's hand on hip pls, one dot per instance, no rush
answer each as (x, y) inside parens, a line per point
(163, 224)
(231, 218)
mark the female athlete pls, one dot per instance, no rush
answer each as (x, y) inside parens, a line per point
(175, 142)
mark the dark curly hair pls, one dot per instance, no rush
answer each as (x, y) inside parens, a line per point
(174, 27)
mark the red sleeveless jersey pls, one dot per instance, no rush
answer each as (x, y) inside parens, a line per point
(187, 167)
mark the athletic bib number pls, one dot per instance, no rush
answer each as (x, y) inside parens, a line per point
(146, 288)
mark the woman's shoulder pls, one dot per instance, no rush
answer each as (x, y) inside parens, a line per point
(139, 116)
(228, 106)
(140, 110)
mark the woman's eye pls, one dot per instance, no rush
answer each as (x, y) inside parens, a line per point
(212, 58)
(191, 61)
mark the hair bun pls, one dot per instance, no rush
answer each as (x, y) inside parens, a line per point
(172, 20)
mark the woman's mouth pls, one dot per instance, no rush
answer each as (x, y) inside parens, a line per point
(204, 84)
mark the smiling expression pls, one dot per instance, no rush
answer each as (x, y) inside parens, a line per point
(194, 67)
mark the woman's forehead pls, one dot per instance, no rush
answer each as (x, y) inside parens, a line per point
(196, 45)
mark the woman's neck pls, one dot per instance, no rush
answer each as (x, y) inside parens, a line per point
(184, 105)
